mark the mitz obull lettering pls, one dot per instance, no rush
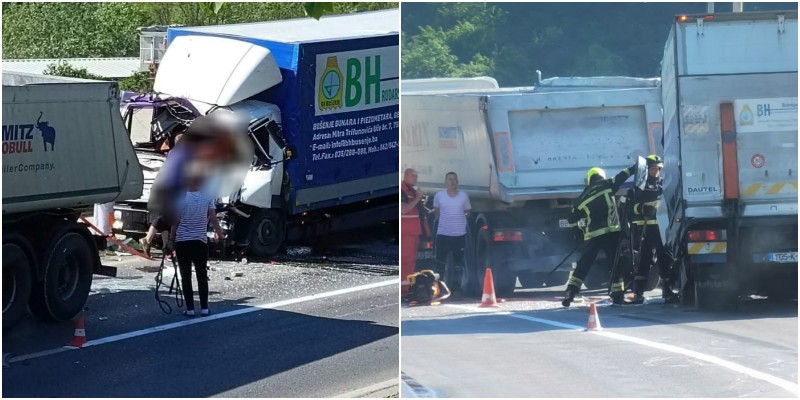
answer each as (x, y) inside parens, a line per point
(19, 138)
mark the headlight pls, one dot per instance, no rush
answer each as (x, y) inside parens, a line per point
(117, 214)
(117, 225)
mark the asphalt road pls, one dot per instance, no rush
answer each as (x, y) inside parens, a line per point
(319, 325)
(532, 347)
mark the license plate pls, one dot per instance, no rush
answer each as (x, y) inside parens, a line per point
(424, 255)
(563, 223)
(783, 258)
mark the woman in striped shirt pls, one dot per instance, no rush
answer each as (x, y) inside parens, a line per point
(188, 237)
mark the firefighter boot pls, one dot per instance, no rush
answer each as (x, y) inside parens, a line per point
(639, 284)
(569, 296)
(617, 298)
(669, 296)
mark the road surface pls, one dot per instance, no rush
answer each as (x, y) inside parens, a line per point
(532, 347)
(319, 325)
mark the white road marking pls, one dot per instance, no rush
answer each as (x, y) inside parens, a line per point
(372, 390)
(792, 387)
(410, 387)
(213, 317)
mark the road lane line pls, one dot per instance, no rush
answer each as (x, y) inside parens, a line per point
(372, 390)
(792, 387)
(212, 317)
(416, 389)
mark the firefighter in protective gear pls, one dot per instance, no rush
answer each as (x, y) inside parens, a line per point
(597, 207)
(643, 217)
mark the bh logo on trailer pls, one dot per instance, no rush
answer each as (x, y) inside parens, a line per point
(357, 80)
(20, 138)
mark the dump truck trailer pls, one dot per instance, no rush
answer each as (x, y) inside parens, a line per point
(65, 148)
(521, 155)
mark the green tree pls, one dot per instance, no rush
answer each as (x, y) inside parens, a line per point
(70, 30)
(510, 41)
(63, 68)
(140, 82)
(427, 55)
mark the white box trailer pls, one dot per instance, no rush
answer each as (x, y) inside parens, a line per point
(522, 156)
(730, 117)
(65, 148)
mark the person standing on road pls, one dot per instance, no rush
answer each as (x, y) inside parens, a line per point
(452, 207)
(596, 205)
(413, 212)
(163, 192)
(643, 216)
(189, 239)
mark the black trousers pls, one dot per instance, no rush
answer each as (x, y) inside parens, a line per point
(193, 252)
(449, 244)
(608, 243)
(651, 241)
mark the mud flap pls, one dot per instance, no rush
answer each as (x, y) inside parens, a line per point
(716, 286)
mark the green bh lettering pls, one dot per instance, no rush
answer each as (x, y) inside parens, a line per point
(372, 81)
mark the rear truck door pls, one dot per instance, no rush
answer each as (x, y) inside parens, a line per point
(766, 144)
(545, 142)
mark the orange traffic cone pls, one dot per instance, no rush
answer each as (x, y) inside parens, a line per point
(488, 299)
(80, 334)
(594, 319)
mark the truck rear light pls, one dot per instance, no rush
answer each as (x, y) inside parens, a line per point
(429, 245)
(708, 236)
(508, 236)
(681, 18)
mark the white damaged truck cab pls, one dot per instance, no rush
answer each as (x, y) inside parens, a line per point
(318, 102)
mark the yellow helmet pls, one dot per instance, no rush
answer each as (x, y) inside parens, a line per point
(594, 171)
(655, 160)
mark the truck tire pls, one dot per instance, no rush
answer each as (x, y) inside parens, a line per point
(69, 264)
(483, 260)
(471, 278)
(452, 273)
(17, 280)
(653, 279)
(267, 233)
(686, 290)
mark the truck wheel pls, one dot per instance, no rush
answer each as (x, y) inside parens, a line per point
(472, 274)
(451, 274)
(69, 264)
(482, 260)
(686, 284)
(653, 279)
(16, 283)
(267, 233)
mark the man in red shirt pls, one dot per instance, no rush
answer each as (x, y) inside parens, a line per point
(410, 225)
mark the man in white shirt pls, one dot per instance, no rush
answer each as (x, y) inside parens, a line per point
(451, 208)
